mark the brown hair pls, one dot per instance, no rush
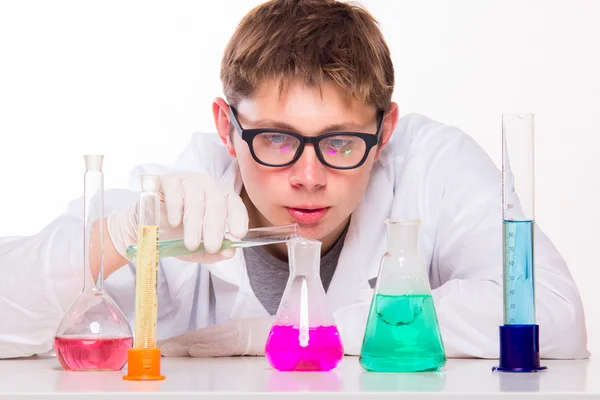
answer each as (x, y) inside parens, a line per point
(309, 41)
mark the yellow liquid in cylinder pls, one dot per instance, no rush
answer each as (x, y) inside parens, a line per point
(145, 287)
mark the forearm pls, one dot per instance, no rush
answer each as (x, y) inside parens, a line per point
(470, 313)
(112, 259)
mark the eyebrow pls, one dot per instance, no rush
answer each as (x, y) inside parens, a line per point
(349, 126)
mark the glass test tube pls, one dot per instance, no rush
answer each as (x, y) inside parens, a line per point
(254, 237)
(144, 358)
(518, 206)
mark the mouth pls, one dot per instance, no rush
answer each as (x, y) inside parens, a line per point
(307, 214)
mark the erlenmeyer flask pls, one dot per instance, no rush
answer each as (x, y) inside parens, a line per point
(94, 333)
(304, 336)
(402, 333)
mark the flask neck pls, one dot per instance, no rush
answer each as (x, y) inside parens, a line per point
(93, 235)
(304, 257)
(402, 236)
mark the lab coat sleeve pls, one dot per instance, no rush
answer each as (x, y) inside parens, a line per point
(468, 259)
(42, 275)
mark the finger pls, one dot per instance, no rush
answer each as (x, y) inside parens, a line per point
(226, 254)
(193, 213)
(215, 219)
(216, 333)
(173, 349)
(224, 331)
(185, 339)
(209, 258)
(215, 349)
(173, 197)
(237, 216)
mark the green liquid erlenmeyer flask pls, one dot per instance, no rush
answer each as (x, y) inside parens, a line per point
(402, 333)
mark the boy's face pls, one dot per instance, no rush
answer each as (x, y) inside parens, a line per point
(318, 198)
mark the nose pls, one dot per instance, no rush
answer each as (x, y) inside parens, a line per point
(308, 172)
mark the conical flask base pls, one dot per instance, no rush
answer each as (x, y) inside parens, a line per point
(94, 335)
(287, 351)
(402, 335)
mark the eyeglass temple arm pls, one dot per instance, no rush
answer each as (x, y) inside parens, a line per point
(233, 119)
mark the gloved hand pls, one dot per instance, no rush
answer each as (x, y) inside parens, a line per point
(237, 337)
(195, 207)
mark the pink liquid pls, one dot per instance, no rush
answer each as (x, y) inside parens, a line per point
(92, 353)
(323, 352)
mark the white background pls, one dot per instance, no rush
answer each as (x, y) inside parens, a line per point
(133, 79)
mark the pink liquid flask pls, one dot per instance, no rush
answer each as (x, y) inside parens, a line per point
(304, 336)
(92, 353)
(93, 334)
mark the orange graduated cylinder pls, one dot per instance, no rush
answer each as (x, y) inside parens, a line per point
(143, 365)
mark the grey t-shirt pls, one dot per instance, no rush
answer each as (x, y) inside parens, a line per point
(268, 275)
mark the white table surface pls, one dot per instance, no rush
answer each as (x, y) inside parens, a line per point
(253, 375)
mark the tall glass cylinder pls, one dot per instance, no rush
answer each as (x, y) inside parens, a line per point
(144, 357)
(147, 264)
(518, 218)
(519, 336)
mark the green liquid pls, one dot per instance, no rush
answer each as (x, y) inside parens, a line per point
(402, 335)
(176, 247)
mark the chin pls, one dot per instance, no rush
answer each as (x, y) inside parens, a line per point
(315, 231)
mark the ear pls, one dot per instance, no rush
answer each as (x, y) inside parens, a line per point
(220, 110)
(390, 119)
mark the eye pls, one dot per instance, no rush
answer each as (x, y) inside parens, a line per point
(338, 143)
(338, 146)
(276, 138)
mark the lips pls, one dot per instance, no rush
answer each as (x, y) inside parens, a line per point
(307, 215)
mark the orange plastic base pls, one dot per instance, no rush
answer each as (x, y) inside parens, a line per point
(143, 365)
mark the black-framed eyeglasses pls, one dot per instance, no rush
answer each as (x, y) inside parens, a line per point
(280, 148)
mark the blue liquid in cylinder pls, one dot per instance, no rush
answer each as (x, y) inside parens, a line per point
(519, 296)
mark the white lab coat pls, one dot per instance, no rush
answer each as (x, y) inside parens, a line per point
(428, 170)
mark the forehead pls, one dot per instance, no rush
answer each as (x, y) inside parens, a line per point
(307, 106)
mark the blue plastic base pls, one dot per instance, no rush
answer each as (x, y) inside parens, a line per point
(519, 349)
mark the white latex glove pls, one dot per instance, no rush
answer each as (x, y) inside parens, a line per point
(237, 337)
(195, 207)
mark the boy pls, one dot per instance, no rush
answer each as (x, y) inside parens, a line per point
(307, 134)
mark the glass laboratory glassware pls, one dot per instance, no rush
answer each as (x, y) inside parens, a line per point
(402, 332)
(519, 336)
(94, 333)
(254, 237)
(304, 336)
(144, 357)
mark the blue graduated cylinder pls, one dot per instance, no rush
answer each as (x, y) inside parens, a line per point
(519, 337)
